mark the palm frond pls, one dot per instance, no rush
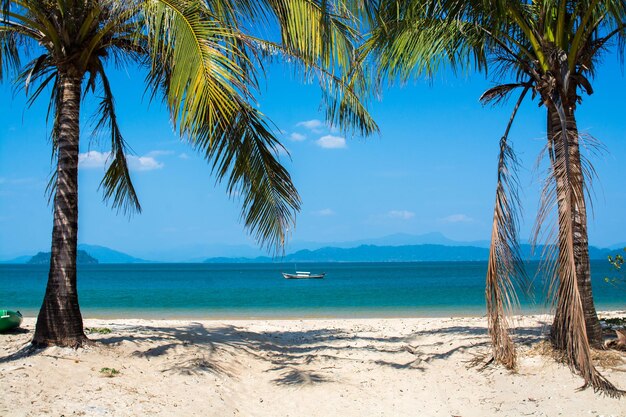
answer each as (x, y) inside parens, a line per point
(344, 96)
(498, 94)
(42, 73)
(569, 328)
(195, 63)
(9, 55)
(39, 71)
(418, 39)
(244, 156)
(317, 31)
(192, 64)
(345, 103)
(505, 267)
(318, 41)
(55, 100)
(117, 184)
(208, 97)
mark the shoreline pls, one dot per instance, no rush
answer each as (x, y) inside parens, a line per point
(355, 314)
(300, 367)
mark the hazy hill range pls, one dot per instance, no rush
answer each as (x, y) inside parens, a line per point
(109, 256)
(86, 255)
(406, 253)
(373, 253)
(393, 248)
(396, 239)
(43, 258)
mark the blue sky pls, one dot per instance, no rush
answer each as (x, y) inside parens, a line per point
(432, 168)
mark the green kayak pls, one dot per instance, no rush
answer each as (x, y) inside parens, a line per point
(9, 320)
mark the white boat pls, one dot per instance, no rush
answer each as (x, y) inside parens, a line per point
(303, 275)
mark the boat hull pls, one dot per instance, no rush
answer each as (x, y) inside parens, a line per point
(299, 276)
(9, 320)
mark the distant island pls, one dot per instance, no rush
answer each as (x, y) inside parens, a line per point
(109, 256)
(82, 258)
(431, 247)
(404, 253)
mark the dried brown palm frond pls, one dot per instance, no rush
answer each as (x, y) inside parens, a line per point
(505, 265)
(565, 191)
(546, 229)
(603, 358)
(545, 348)
(498, 94)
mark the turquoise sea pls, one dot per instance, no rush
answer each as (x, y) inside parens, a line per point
(258, 290)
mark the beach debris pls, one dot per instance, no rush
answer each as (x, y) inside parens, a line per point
(480, 360)
(620, 342)
(109, 372)
(98, 330)
(603, 358)
(613, 322)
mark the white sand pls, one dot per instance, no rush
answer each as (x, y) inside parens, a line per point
(357, 367)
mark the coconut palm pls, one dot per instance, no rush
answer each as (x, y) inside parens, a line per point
(203, 59)
(549, 48)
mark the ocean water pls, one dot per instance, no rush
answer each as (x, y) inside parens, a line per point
(259, 290)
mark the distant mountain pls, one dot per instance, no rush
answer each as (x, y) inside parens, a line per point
(406, 253)
(43, 258)
(405, 239)
(225, 260)
(109, 256)
(87, 254)
(373, 253)
(396, 247)
(595, 253)
(397, 239)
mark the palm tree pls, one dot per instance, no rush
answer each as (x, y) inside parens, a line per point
(202, 62)
(550, 48)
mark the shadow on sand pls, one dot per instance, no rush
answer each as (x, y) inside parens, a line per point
(293, 357)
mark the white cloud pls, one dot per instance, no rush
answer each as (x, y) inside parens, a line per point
(331, 142)
(143, 163)
(93, 159)
(183, 156)
(297, 137)
(401, 214)
(457, 218)
(311, 124)
(324, 212)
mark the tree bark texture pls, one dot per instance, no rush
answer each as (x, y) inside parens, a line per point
(578, 215)
(60, 322)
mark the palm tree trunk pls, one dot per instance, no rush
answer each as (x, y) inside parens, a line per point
(579, 216)
(60, 322)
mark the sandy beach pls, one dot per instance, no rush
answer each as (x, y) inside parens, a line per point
(316, 367)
